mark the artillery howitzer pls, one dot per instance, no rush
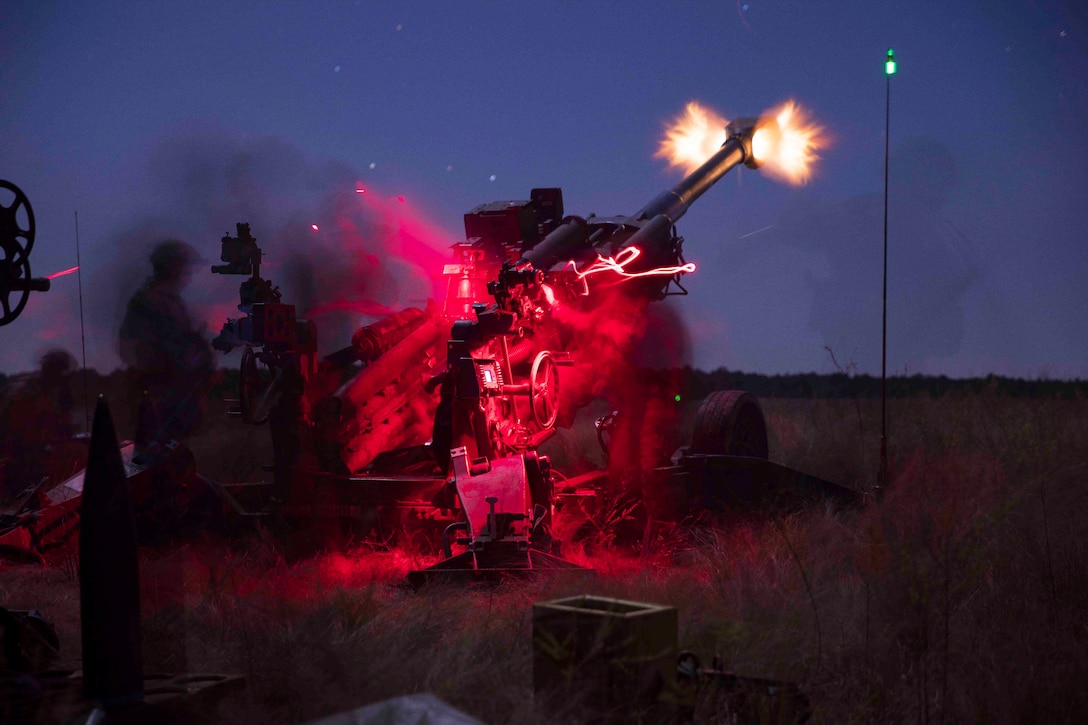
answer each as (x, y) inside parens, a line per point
(442, 424)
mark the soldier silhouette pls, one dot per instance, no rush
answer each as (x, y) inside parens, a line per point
(35, 423)
(167, 354)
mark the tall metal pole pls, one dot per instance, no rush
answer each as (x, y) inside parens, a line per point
(889, 71)
(82, 331)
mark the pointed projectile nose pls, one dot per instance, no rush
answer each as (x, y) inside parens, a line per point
(109, 588)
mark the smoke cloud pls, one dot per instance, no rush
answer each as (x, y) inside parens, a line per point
(341, 257)
(932, 265)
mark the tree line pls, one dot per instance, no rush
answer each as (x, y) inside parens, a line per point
(841, 385)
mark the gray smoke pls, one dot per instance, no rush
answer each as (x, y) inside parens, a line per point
(200, 184)
(932, 266)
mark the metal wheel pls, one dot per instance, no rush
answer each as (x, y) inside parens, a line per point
(14, 279)
(254, 388)
(730, 422)
(544, 390)
(12, 230)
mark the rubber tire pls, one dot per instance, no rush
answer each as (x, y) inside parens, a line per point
(730, 422)
(252, 388)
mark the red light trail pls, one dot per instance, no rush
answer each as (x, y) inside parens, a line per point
(62, 273)
(620, 262)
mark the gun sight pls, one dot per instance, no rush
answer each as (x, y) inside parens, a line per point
(241, 253)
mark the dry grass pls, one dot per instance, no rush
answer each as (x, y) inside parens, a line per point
(960, 596)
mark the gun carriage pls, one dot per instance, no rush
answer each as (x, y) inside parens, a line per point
(433, 419)
(442, 423)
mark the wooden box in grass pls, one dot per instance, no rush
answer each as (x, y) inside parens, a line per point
(613, 653)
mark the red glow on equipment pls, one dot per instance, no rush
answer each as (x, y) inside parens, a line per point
(62, 273)
(363, 307)
(403, 236)
(620, 262)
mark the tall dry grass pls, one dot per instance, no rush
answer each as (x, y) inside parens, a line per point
(959, 595)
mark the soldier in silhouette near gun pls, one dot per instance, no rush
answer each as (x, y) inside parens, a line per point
(166, 353)
(35, 423)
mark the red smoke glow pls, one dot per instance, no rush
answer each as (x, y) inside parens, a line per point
(54, 323)
(213, 312)
(363, 307)
(631, 353)
(410, 238)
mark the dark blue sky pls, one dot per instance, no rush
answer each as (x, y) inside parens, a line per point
(155, 118)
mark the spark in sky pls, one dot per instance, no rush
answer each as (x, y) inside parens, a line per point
(741, 10)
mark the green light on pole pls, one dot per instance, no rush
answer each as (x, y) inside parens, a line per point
(889, 64)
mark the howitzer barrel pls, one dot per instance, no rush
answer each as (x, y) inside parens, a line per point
(559, 244)
(573, 235)
(737, 149)
(370, 342)
(674, 202)
(34, 284)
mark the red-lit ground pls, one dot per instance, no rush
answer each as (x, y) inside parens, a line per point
(960, 596)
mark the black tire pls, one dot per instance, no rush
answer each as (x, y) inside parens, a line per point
(730, 422)
(254, 380)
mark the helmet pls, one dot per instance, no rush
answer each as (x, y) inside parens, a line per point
(56, 363)
(170, 257)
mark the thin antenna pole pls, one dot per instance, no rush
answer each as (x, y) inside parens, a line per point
(82, 331)
(884, 310)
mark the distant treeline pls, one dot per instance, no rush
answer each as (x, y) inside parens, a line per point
(697, 383)
(841, 385)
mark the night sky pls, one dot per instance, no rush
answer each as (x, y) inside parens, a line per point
(155, 119)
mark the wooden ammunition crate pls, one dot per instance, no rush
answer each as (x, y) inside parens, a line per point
(612, 655)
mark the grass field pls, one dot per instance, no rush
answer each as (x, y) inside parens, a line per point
(960, 595)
